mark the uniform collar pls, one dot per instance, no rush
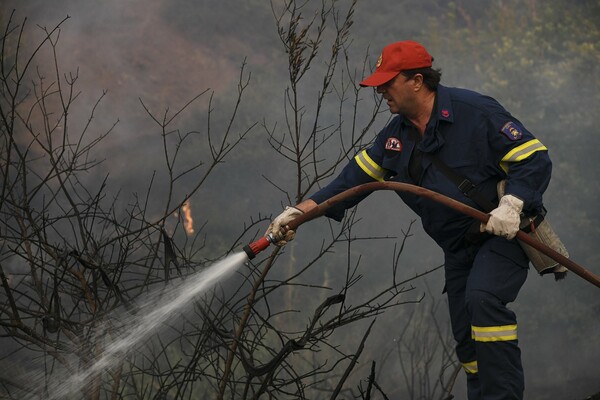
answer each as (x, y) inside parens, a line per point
(444, 105)
(442, 108)
(442, 111)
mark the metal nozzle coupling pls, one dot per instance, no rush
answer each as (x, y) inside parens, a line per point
(256, 247)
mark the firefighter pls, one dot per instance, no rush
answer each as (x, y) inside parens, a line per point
(477, 138)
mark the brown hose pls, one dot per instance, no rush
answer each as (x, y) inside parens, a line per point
(463, 208)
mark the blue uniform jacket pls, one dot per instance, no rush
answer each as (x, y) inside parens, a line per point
(474, 135)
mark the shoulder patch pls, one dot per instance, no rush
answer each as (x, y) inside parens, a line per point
(512, 130)
(393, 144)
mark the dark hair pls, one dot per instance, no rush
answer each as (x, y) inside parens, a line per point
(431, 77)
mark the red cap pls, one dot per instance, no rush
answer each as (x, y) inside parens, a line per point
(397, 57)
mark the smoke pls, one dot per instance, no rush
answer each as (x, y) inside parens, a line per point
(164, 53)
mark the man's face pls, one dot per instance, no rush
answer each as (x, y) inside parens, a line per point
(398, 92)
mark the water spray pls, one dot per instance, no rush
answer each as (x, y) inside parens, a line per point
(261, 244)
(156, 310)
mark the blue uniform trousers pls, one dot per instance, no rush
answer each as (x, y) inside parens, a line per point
(480, 281)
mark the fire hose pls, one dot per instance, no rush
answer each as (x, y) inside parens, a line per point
(256, 247)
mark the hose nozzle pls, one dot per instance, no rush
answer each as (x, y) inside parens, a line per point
(256, 247)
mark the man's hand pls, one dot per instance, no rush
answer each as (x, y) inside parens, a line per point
(279, 227)
(505, 219)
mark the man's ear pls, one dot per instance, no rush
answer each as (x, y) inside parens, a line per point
(418, 79)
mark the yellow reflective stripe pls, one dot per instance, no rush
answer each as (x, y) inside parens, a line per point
(521, 152)
(494, 333)
(369, 166)
(470, 367)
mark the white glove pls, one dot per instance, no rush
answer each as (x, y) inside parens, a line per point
(279, 225)
(506, 218)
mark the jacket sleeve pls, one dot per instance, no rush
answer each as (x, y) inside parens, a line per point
(522, 157)
(365, 167)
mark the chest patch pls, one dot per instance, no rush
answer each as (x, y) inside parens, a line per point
(512, 131)
(393, 144)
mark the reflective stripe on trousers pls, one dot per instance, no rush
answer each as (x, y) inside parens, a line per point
(480, 281)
